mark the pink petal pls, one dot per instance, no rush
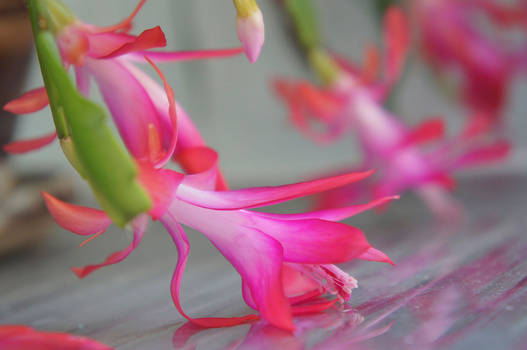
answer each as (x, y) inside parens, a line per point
(123, 25)
(485, 154)
(314, 241)
(298, 101)
(129, 103)
(314, 308)
(161, 186)
(202, 164)
(26, 338)
(429, 130)
(139, 226)
(148, 39)
(258, 259)
(397, 39)
(25, 146)
(31, 101)
(373, 254)
(335, 214)
(181, 241)
(261, 196)
(251, 33)
(178, 56)
(171, 113)
(79, 220)
(82, 79)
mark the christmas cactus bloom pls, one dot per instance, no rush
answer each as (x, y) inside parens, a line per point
(109, 56)
(453, 41)
(418, 158)
(26, 338)
(250, 28)
(285, 260)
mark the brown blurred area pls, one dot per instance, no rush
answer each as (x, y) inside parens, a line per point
(15, 53)
(23, 216)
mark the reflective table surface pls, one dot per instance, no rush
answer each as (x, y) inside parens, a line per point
(456, 285)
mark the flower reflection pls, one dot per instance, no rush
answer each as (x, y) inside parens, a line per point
(332, 329)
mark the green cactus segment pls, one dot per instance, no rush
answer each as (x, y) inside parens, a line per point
(303, 14)
(90, 144)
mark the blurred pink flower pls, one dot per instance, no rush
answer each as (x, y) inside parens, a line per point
(454, 41)
(26, 338)
(400, 153)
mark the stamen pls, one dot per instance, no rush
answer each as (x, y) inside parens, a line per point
(90, 239)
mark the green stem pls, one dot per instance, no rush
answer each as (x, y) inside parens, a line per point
(87, 140)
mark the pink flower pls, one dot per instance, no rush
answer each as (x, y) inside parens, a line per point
(250, 28)
(453, 42)
(26, 338)
(109, 56)
(284, 260)
(399, 152)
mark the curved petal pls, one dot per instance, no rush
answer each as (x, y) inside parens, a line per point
(130, 105)
(161, 186)
(139, 226)
(202, 164)
(258, 259)
(25, 146)
(428, 130)
(27, 338)
(181, 241)
(397, 40)
(261, 196)
(123, 25)
(31, 101)
(173, 117)
(373, 254)
(314, 241)
(178, 56)
(79, 220)
(148, 39)
(336, 214)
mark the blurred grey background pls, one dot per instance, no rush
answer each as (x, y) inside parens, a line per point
(231, 101)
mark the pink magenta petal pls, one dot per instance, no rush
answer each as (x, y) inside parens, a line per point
(485, 154)
(82, 79)
(314, 241)
(177, 56)
(181, 241)
(31, 101)
(261, 196)
(373, 254)
(139, 225)
(130, 105)
(336, 214)
(321, 305)
(173, 117)
(202, 164)
(25, 146)
(429, 130)
(77, 219)
(26, 338)
(123, 25)
(397, 39)
(161, 186)
(148, 39)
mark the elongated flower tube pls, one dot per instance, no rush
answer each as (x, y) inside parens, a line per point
(455, 43)
(26, 338)
(418, 158)
(250, 28)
